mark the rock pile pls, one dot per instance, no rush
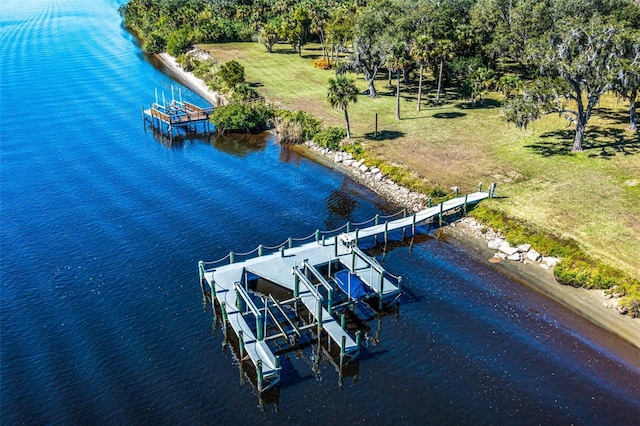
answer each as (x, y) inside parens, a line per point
(505, 251)
(374, 179)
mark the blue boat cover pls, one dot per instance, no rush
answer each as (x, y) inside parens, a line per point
(351, 284)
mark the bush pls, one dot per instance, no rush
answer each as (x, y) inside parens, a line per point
(296, 127)
(322, 64)
(179, 42)
(437, 192)
(231, 74)
(242, 118)
(330, 137)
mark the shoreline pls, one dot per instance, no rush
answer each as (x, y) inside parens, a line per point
(589, 304)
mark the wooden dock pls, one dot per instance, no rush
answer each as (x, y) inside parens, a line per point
(176, 114)
(308, 273)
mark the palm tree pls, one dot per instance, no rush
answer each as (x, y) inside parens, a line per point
(421, 53)
(342, 91)
(397, 60)
(443, 50)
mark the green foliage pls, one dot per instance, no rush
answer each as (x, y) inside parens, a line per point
(437, 192)
(244, 92)
(330, 137)
(521, 111)
(509, 85)
(231, 74)
(179, 41)
(242, 118)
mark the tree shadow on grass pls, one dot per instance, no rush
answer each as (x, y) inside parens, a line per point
(449, 114)
(599, 142)
(484, 104)
(384, 135)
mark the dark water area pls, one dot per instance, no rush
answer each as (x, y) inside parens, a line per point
(102, 226)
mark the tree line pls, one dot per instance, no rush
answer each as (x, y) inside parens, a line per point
(545, 56)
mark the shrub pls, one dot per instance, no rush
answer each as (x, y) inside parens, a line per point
(231, 74)
(296, 127)
(179, 42)
(330, 137)
(242, 118)
(437, 192)
(322, 64)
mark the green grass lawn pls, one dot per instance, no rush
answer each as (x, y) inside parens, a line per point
(592, 197)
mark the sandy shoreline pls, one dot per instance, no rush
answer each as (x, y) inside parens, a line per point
(586, 303)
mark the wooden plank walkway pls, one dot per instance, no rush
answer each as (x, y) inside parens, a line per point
(285, 268)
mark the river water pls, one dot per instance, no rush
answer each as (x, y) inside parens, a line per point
(102, 225)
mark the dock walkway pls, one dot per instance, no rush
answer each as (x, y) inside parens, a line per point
(296, 269)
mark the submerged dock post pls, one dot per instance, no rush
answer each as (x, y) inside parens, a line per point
(259, 375)
(386, 232)
(241, 345)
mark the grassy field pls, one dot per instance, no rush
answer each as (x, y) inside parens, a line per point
(592, 197)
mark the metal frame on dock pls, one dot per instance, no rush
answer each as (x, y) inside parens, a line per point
(176, 114)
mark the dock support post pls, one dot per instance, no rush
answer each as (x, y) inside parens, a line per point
(330, 302)
(358, 337)
(429, 202)
(381, 290)
(343, 321)
(260, 250)
(281, 251)
(296, 285)
(353, 261)
(377, 219)
(259, 327)
(335, 246)
(404, 212)
(456, 190)
(480, 187)
(343, 343)
(241, 345)
(357, 229)
(386, 232)
(231, 257)
(413, 225)
(319, 317)
(440, 215)
(239, 303)
(464, 206)
(318, 235)
(492, 189)
(290, 243)
(259, 375)
(348, 226)
(223, 308)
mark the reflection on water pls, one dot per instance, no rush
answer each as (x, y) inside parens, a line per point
(239, 145)
(340, 206)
